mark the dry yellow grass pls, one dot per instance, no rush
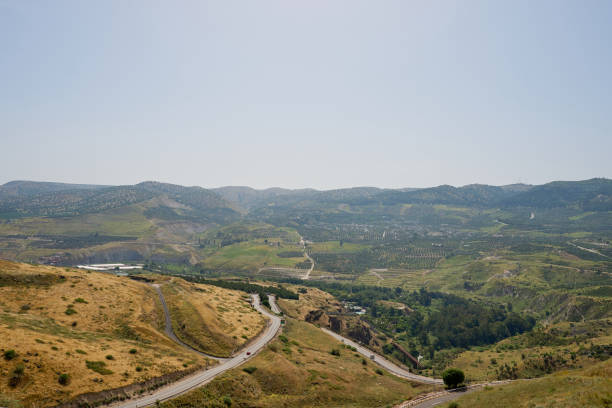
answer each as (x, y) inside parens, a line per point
(56, 319)
(297, 370)
(568, 389)
(311, 300)
(211, 319)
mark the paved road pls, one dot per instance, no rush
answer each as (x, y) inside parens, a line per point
(202, 377)
(273, 305)
(312, 263)
(383, 362)
(170, 332)
(440, 397)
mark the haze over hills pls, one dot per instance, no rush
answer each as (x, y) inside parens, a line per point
(47, 197)
(165, 221)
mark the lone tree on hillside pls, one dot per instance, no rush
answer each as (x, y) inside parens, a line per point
(453, 377)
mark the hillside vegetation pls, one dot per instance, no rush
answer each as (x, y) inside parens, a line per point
(65, 331)
(567, 389)
(299, 370)
(211, 319)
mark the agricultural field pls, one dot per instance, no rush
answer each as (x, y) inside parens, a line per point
(250, 248)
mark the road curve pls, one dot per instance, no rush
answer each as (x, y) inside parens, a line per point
(312, 262)
(439, 397)
(202, 377)
(170, 331)
(273, 306)
(383, 362)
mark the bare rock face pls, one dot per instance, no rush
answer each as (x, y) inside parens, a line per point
(336, 324)
(317, 316)
(361, 333)
(314, 315)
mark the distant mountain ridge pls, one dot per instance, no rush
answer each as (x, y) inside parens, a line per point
(24, 187)
(28, 198)
(25, 199)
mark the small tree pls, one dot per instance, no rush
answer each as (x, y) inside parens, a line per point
(10, 354)
(453, 377)
(63, 379)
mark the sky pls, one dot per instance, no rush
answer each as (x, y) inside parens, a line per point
(322, 94)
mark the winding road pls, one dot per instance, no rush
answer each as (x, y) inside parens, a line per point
(274, 323)
(439, 397)
(273, 306)
(202, 377)
(383, 362)
(170, 332)
(312, 262)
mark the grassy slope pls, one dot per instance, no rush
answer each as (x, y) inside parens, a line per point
(297, 370)
(119, 315)
(259, 247)
(250, 255)
(211, 319)
(569, 344)
(590, 387)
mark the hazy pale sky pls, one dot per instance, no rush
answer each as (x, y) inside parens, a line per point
(312, 93)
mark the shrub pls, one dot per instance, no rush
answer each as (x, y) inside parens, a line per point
(250, 369)
(335, 352)
(70, 311)
(17, 375)
(63, 379)
(138, 368)
(283, 338)
(453, 405)
(98, 366)
(80, 351)
(133, 351)
(110, 357)
(80, 300)
(10, 354)
(453, 377)
(227, 401)
(379, 371)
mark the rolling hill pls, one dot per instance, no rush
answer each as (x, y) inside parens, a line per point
(69, 223)
(66, 224)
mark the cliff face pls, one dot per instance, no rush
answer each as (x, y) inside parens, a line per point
(361, 333)
(336, 324)
(317, 316)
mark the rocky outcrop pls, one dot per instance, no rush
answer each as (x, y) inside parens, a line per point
(336, 324)
(361, 333)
